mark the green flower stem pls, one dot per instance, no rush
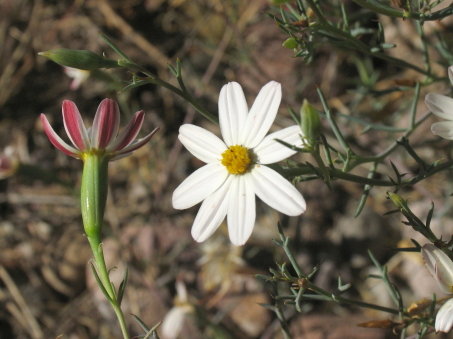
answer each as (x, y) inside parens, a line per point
(377, 7)
(96, 247)
(93, 201)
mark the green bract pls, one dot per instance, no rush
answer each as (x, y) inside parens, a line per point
(79, 59)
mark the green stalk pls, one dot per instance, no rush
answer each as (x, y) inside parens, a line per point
(96, 247)
(93, 201)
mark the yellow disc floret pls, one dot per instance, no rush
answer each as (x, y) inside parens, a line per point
(236, 159)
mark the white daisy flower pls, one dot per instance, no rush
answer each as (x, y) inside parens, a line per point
(442, 106)
(234, 172)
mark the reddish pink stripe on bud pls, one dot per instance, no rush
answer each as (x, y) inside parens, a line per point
(56, 140)
(106, 123)
(129, 132)
(74, 126)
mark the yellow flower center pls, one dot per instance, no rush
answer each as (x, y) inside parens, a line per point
(236, 159)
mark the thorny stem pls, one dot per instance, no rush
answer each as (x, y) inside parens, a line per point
(280, 314)
(330, 30)
(182, 93)
(357, 160)
(306, 283)
(377, 7)
(379, 157)
(338, 174)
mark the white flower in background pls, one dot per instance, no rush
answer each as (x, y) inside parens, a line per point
(444, 318)
(78, 75)
(441, 268)
(234, 172)
(442, 106)
(9, 162)
(174, 320)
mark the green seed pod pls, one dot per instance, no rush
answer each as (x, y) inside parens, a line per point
(290, 43)
(310, 122)
(79, 59)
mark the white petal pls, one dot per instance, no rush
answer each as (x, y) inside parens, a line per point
(440, 105)
(276, 191)
(232, 112)
(444, 318)
(211, 213)
(262, 115)
(270, 151)
(241, 209)
(439, 265)
(199, 185)
(443, 129)
(172, 324)
(201, 143)
(450, 73)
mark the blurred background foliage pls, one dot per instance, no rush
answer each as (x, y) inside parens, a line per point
(44, 291)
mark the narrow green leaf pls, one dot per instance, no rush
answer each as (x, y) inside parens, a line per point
(99, 282)
(115, 48)
(141, 323)
(122, 287)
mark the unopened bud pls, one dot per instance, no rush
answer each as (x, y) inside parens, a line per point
(310, 122)
(397, 200)
(290, 43)
(79, 59)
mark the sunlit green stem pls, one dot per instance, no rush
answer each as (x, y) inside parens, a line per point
(96, 247)
(93, 201)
